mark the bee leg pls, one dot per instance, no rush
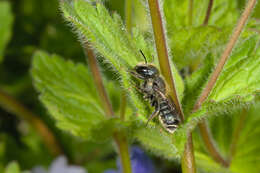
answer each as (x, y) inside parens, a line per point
(136, 75)
(138, 88)
(151, 98)
(154, 114)
(146, 97)
(159, 92)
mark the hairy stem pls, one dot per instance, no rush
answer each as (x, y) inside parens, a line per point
(190, 12)
(128, 23)
(162, 52)
(11, 105)
(123, 105)
(188, 160)
(236, 134)
(226, 53)
(210, 145)
(203, 128)
(99, 83)
(123, 151)
(206, 20)
(188, 163)
(119, 137)
(128, 15)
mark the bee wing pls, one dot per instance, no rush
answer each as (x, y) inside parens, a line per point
(173, 106)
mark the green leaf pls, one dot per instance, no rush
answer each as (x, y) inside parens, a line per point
(190, 46)
(159, 142)
(6, 21)
(224, 13)
(248, 144)
(207, 165)
(68, 92)
(238, 84)
(240, 74)
(108, 36)
(178, 81)
(241, 129)
(12, 167)
(196, 82)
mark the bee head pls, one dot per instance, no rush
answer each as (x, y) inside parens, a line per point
(146, 71)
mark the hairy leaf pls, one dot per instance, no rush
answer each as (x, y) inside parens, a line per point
(108, 36)
(236, 136)
(240, 75)
(224, 13)
(68, 92)
(195, 83)
(6, 20)
(238, 84)
(190, 43)
(190, 46)
(247, 148)
(161, 143)
(207, 165)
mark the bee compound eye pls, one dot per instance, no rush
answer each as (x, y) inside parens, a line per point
(142, 70)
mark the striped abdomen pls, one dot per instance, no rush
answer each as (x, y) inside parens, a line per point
(168, 116)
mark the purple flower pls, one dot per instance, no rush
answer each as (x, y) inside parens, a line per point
(111, 171)
(140, 162)
(59, 165)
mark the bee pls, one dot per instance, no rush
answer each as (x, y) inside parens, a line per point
(153, 88)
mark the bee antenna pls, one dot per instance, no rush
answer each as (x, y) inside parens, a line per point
(143, 56)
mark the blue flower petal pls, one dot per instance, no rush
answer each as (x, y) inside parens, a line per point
(140, 162)
(111, 171)
(38, 169)
(75, 169)
(59, 165)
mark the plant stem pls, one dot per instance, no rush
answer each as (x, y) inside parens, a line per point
(208, 140)
(162, 52)
(203, 127)
(188, 160)
(119, 137)
(128, 23)
(123, 150)
(206, 20)
(128, 15)
(188, 163)
(226, 53)
(190, 12)
(11, 105)
(236, 134)
(123, 105)
(99, 83)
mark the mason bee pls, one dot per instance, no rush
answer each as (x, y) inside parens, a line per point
(154, 89)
